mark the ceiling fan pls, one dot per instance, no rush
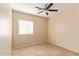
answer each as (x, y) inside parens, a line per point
(46, 9)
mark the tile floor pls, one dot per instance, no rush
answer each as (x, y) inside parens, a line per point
(45, 49)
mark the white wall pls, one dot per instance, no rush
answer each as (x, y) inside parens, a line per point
(40, 30)
(64, 28)
(5, 29)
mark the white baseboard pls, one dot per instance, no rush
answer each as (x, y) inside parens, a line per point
(64, 47)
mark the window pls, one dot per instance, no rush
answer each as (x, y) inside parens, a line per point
(25, 27)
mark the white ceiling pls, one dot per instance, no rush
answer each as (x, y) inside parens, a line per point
(30, 8)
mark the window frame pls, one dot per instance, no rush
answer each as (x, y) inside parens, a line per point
(27, 32)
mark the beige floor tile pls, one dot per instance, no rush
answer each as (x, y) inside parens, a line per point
(45, 49)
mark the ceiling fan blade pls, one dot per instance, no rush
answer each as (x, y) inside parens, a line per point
(53, 10)
(49, 5)
(39, 8)
(39, 12)
(45, 6)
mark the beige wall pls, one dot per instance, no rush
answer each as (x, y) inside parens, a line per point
(40, 30)
(64, 28)
(5, 29)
